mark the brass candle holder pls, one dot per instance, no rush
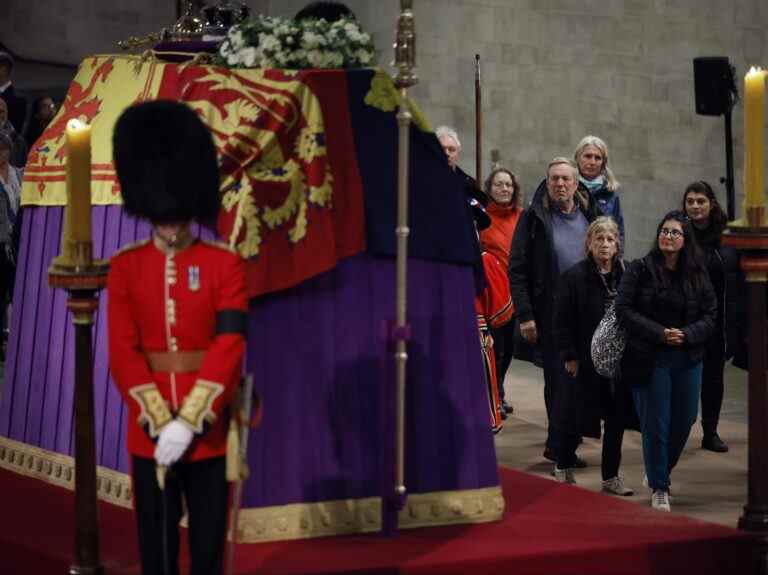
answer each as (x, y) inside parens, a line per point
(755, 217)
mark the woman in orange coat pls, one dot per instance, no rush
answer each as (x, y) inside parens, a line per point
(503, 191)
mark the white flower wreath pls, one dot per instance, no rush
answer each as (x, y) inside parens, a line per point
(274, 42)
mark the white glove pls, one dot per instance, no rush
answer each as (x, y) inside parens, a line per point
(173, 442)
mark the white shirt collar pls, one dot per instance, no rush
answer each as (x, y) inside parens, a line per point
(5, 86)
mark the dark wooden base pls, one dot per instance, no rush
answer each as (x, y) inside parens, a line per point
(83, 285)
(752, 243)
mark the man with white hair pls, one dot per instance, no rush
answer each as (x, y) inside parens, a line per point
(449, 140)
(549, 239)
(451, 144)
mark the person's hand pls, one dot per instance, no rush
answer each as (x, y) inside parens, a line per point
(173, 442)
(528, 331)
(674, 337)
(572, 367)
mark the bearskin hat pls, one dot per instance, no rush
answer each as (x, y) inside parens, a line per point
(166, 163)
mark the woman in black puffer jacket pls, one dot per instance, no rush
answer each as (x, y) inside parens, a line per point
(667, 306)
(722, 262)
(584, 293)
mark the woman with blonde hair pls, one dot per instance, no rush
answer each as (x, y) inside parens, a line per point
(596, 177)
(585, 398)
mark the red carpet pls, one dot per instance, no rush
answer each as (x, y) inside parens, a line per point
(547, 528)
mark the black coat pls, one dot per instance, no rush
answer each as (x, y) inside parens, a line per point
(637, 309)
(727, 279)
(579, 306)
(533, 271)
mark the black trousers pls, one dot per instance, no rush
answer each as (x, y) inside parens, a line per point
(503, 346)
(204, 487)
(554, 373)
(712, 386)
(613, 436)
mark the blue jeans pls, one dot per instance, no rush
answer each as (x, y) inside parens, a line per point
(667, 408)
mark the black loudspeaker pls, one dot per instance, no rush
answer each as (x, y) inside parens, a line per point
(714, 83)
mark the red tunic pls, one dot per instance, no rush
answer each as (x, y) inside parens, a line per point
(497, 239)
(494, 308)
(168, 302)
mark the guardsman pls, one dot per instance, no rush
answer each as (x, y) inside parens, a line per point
(177, 319)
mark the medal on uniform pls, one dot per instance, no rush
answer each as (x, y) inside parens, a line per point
(193, 278)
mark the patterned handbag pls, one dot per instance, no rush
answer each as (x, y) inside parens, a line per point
(608, 344)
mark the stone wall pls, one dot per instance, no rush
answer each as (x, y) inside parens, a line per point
(65, 32)
(553, 70)
(556, 70)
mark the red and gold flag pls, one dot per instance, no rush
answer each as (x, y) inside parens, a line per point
(291, 195)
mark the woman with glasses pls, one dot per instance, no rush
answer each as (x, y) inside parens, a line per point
(722, 262)
(668, 308)
(503, 190)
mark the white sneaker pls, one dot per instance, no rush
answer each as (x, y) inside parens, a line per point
(647, 486)
(615, 486)
(564, 475)
(660, 500)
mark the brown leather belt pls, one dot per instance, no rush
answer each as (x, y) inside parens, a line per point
(175, 361)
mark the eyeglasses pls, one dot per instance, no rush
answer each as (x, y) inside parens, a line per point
(671, 233)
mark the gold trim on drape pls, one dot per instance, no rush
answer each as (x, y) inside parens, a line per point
(279, 522)
(58, 469)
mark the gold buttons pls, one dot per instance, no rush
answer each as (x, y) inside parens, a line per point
(170, 270)
(170, 311)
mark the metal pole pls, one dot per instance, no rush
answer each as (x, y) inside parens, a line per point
(393, 498)
(478, 125)
(402, 231)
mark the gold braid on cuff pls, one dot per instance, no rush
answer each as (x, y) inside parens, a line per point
(154, 411)
(197, 407)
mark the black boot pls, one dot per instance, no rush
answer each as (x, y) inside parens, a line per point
(712, 442)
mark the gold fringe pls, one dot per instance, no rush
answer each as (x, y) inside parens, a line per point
(354, 516)
(58, 469)
(279, 522)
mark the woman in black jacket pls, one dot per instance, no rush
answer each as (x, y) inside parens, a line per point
(722, 262)
(667, 306)
(584, 293)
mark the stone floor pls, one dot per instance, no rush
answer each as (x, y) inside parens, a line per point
(705, 485)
